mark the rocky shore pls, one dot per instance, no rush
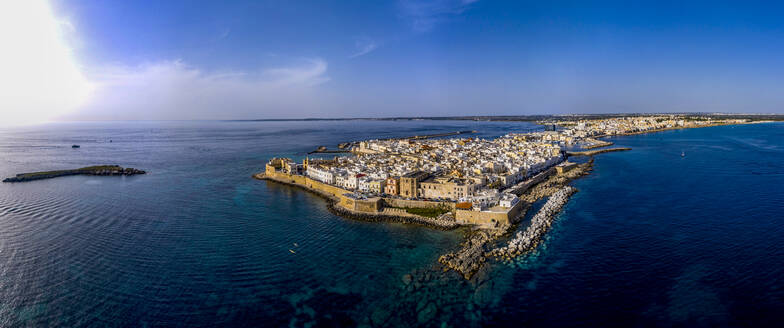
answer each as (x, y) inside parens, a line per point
(100, 170)
(471, 255)
(474, 252)
(525, 241)
(385, 217)
(556, 182)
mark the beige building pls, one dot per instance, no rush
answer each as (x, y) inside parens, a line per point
(565, 167)
(453, 189)
(408, 187)
(409, 183)
(377, 186)
(392, 186)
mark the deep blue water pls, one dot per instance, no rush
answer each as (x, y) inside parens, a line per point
(651, 239)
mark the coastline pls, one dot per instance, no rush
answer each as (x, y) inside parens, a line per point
(674, 128)
(334, 208)
(595, 152)
(479, 246)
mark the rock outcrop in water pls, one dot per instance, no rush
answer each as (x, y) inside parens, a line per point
(470, 257)
(90, 170)
(525, 241)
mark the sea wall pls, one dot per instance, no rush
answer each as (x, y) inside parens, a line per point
(307, 182)
(525, 185)
(594, 152)
(390, 216)
(370, 210)
(396, 202)
(488, 219)
(361, 205)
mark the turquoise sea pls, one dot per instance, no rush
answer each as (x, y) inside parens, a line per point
(653, 238)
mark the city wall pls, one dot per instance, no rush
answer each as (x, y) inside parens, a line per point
(309, 183)
(395, 202)
(488, 218)
(362, 205)
(524, 186)
(375, 206)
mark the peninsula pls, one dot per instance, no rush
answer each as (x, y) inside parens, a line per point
(485, 184)
(90, 170)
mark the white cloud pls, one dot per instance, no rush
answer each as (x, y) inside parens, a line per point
(175, 90)
(364, 46)
(39, 78)
(425, 14)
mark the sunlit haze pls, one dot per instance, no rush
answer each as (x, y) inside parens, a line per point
(40, 79)
(175, 60)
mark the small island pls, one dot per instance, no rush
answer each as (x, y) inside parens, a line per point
(90, 170)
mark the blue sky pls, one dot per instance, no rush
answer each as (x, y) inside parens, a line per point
(293, 59)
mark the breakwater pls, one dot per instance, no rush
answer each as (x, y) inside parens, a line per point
(473, 253)
(555, 183)
(527, 240)
(594, 152)
(100, 170)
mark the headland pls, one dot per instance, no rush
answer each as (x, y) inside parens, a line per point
(483, 185)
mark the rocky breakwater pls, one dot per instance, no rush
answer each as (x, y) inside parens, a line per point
(472, 253)
(525, 241)
(90, 170)
(470, 257)
(555, 183)
(594, 152)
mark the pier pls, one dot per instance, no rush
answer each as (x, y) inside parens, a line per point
(594, 152)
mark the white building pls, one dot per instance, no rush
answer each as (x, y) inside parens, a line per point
(508, 200)
(322, 175)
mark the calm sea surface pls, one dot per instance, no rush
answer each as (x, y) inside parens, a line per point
(651, 239)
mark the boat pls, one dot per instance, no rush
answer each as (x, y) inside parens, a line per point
(75, 146)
